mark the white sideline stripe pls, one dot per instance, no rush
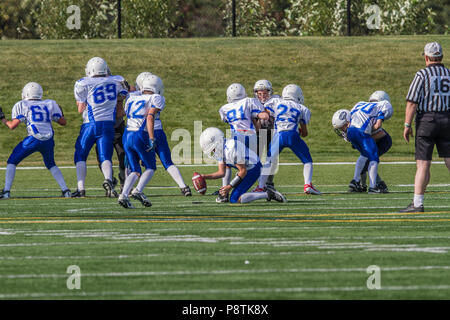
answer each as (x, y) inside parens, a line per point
(215, 291)
(218, 272)
(214, 165)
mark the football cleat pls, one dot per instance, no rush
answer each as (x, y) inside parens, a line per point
(140, 196)
(222, 199)
(79, 194)
(354, 186)
(125, 202)
(374, 190)
(310, 189)
(363, 188)
(383, 187)
(270, 184)
(186, 191)
(109, 189)
(4, 194)
(66, 193)
(215, 193)
(275, 195)
(411, 208)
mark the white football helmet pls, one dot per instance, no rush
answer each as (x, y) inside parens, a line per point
(153, 83)
(235, 92)
(140, 78)
(379, 96)
(293, 92)
(340, 119)
(96, 67)
(211, 141)
(32, 91)
(263, 85)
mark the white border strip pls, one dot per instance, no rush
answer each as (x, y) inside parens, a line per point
(214, 165)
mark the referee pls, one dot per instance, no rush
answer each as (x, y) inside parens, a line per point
(429, 96)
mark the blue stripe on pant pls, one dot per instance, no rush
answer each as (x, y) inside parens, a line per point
(249, 179)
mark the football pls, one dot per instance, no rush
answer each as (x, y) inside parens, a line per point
(199, 183)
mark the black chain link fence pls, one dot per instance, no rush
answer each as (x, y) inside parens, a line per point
(72, 19)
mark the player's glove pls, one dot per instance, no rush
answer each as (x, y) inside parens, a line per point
(151, 145)
(2, 115)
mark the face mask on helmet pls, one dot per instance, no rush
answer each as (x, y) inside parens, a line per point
(211, 142)
(340, 121)
(263, 90)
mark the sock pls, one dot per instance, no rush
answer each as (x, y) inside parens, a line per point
(227, 178)
(9, 176)
(107, 170)
(129, 183)
(379, 179)
(56, 173)
(363, 178)
(252, 196)
(418, 200)
(176, 175)
(373, 170)
(145, 178)
(359, 166)
(81, 174)
(307, 172)
(262, 181)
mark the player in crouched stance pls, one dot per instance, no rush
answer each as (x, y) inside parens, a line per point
(37, 114)
(361, 126)
(139, 141)
(233, 153)
(289, 112)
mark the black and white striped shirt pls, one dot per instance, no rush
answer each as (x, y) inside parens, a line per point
(430, 89)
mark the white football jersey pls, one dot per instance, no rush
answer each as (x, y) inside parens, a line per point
(235, 152)
(239, 114)
(287, 113)
(137, 107)
(365, 114)
(100, 94)
(37, 116)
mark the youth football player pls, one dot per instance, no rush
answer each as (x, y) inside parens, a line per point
(139, 142)
(97, 96)
(37, 115)
(234, 153)
(289, 112)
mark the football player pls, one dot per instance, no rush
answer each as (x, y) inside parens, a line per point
(98, 98)
(234, 153)
(37, 115)
(263, 91)
(362, 126)
(161, 145)
(288, 112)
(139, 142)
(241, 113)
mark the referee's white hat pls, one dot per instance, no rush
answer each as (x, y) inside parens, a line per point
(432, 49)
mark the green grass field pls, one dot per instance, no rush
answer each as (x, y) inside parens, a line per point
(313, 247)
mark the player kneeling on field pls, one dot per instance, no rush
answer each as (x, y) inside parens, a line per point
(37, 114)
(233, 153)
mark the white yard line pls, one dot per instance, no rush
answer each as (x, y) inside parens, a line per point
(216, 291)
(214, 165)
(220, 272)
